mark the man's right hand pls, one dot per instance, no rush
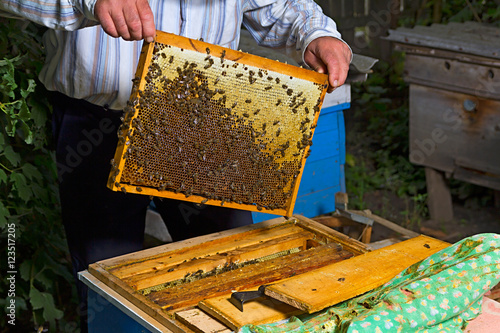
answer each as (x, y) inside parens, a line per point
(129, 19)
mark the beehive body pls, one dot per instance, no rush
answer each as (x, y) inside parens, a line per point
(211, 125)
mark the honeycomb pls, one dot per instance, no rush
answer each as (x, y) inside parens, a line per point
(216, 126)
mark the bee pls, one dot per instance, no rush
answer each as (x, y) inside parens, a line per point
(208, 50)
(256, 111)
(216, 80)
(138, 189)
(278, 133)
(239, 75)
(277, 80)
(278, 102)
(248, 101)
(224, 73)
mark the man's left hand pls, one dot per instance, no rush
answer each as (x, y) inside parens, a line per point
(329, 55)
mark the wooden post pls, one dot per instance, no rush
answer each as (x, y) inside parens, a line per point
(437, 11)
(439, 200)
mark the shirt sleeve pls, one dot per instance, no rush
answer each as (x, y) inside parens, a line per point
(53, 14)
(287, 24)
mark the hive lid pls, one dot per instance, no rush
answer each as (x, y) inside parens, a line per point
(469, 37)
(212, 125)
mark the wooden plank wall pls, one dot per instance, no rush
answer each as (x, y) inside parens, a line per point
(376, 16)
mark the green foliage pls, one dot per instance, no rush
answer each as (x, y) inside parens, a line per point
(484, 11)
(380, 162)
(28, 185)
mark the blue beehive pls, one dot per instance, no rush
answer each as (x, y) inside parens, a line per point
(323, 174)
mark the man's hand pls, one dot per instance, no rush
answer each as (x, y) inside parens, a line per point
(129, 19)
(329, 55)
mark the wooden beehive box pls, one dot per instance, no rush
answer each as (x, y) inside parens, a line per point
(212, 125)
(454, 76)
(311, 262)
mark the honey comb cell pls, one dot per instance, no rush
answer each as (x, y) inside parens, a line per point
(211, 125)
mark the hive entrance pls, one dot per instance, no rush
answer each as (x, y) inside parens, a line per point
(212, 125)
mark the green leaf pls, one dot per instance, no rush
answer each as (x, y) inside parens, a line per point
(25, 270)
(44, 279)
(13, 157)
(38, 115)
(24, 113)
(56, 267)
(45, 300)
(31, 172)
(3, 177)
(4, 214)
(30, 89)
(26, 134)
(36, 298)
(8, 81)
(19, 184)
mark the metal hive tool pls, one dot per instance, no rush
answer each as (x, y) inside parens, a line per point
(212, 125)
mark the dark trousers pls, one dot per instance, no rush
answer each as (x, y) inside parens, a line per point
(101, 223)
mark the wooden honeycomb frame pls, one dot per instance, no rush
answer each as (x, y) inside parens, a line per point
(211, 125)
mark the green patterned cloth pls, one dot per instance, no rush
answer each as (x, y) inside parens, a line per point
(438, 294)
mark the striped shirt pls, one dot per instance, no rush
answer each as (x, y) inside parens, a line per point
(84, 62)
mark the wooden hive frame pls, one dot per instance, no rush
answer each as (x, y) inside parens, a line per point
(183, 271)
(264, 177)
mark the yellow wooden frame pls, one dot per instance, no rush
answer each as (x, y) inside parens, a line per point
(216, 51)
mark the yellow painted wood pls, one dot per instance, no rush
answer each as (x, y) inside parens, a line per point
(329, 285)
(249, 276)
(259, 311)
(241, 57)
(115, 271)
(326, 234)
(240, 254)
(168, 259)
